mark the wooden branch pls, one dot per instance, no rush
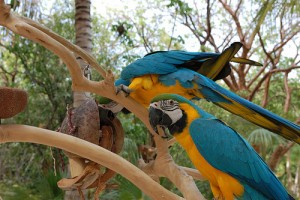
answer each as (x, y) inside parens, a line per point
(193, 29)
(269, 55)
(262, 69)
(74, 48)
(235, 19)
(164, 166)
(288, 92)
(106, 88)
(278, 153)
(229, 84)
(193, 173)
(266, 7)
(149, 167)
(234, 82)
(17, 26)
(208, 19)
(79, 82)
(266, 92)
(23, 133)
(266, 75)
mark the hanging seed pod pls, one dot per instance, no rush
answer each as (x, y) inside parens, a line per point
(101, 127)
(107, 119)
(107, 138)
(12, 101)
(83, 122)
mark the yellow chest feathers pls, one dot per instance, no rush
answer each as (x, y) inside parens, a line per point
(145, 88)
(223, 185)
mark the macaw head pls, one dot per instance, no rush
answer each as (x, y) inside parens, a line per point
(165, 111)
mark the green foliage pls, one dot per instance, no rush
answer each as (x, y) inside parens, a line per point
(118, 39)
(261, 137)
(45, 188)
(122, 28)
(125, 191)
(262, 13)
(182, 7)
(17, 192)
(38, 71)
(47, 185)
(265, 140)
(128, 190)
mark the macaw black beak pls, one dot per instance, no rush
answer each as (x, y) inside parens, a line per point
(157, 117)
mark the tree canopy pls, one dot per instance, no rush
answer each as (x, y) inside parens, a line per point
(268, 29)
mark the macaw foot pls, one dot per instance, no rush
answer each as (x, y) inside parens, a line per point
(124, 89)
(164, 135)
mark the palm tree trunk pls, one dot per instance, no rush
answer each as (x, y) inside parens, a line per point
(83, 31)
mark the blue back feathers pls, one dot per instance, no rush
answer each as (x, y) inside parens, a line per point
(167, 65)
(220, 96)
(227, 151)
(163, 62)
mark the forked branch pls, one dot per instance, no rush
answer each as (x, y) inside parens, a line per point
(23, 133)
(66, 51)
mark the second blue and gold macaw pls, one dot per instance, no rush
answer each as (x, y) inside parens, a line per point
(232, 167)
(191, 75)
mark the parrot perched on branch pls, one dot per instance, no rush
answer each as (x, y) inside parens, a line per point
(191, 75)
(222, 156)
(144, 72)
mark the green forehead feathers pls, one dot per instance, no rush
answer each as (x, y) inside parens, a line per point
(175, 97)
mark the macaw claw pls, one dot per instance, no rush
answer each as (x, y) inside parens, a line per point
(124, 89)
(164, 137)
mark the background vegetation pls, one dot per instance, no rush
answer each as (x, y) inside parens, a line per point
(268, 29)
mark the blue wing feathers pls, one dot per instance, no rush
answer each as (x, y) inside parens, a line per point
(181, 55)
(122, 81)
(226, 94)
(166, 65)
(251, 194)
(220, 96)
(140, 67)
(185, 78)
(162, 63)
(235, 157)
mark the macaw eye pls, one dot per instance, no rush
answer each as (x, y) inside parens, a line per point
(171, 102)
(155, 104)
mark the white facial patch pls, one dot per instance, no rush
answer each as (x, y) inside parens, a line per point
(170, 108)
(175, 115)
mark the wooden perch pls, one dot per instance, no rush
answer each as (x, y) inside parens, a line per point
(66, 51)
(164, 166)
(23, 133)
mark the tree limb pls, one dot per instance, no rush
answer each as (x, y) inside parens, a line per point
(266, 75)
(278, 154)
(235, 19)
(23, 133)
(288, 92)
(65, 50)
(164, 166)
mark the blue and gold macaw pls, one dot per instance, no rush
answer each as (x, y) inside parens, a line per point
(191, 75)
(212, 65)
(222, 156)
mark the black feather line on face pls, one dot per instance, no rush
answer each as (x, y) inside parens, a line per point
(158, 117)
(178, 127)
